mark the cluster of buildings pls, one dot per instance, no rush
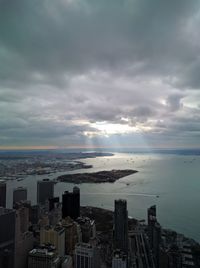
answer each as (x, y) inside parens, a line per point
(53, 234)
(50, 234)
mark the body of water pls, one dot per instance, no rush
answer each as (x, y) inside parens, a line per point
(170, 181)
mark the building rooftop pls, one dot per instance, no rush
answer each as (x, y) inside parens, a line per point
(83, 245)
(47, 250)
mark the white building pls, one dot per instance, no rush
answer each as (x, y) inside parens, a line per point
(84, 255)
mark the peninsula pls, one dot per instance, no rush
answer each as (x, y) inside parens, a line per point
(96, 177)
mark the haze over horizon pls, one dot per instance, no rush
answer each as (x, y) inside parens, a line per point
(89, 73)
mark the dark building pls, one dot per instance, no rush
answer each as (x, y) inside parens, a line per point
(53, 203)
(34, 214)
(7, 237)
(152, 220)
(154, 234)
(174, 257)
(140, 252)
(45, 190)
(71, 204)
(151, 214)
(19, 194)
(2, 193)
(120, 231)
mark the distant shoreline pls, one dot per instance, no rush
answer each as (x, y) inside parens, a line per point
(96, 177)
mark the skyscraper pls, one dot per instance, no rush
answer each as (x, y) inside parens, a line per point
(154, 233)
(151, 219)
(19, 194)
(2, 193)
(151, 214)
(72, 234)
(53, 203)
(121, 225)
(7, 237)
(45, 190)
(54, 236)
(71, 204)
(23, 238)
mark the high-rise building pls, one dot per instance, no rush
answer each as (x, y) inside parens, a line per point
(53, 203)
(54, 236)
(45, 190)
(22, 217)
(88, 228)
(34, 214)
(140, 254)
(84, 255)
(43, 258)
(7, 237)
(71, 204)
(154, 233)
(2, 193)
(175, 259)
(23, 237)
(151, 219)
(120, 231)
(19, 194)
(151, 215)
(72, 234)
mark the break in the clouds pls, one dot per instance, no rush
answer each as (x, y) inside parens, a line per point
(99, 73)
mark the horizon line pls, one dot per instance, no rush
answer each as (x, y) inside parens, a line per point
(37, 148)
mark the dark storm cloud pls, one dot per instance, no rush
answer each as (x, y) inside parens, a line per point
(65, 64)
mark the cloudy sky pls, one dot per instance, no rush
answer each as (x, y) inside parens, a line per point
(99, 73)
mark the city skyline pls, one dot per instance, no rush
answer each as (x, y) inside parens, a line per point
(90, 74)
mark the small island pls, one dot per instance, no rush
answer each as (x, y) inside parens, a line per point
(96, 177)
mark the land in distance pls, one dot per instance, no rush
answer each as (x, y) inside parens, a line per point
(96, 177)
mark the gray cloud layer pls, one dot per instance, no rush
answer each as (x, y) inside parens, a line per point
(68, 66)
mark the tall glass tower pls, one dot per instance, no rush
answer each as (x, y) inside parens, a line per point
(121, 225)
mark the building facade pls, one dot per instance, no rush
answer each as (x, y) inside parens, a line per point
(120, 232)
(45, 190)
(54, 236)
(71, 204)
(43, 258)
(7, 237)
(154, 234)
(19, 194)
(2, 193)
(84, 256)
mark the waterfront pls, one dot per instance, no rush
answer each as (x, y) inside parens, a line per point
(168, 180)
